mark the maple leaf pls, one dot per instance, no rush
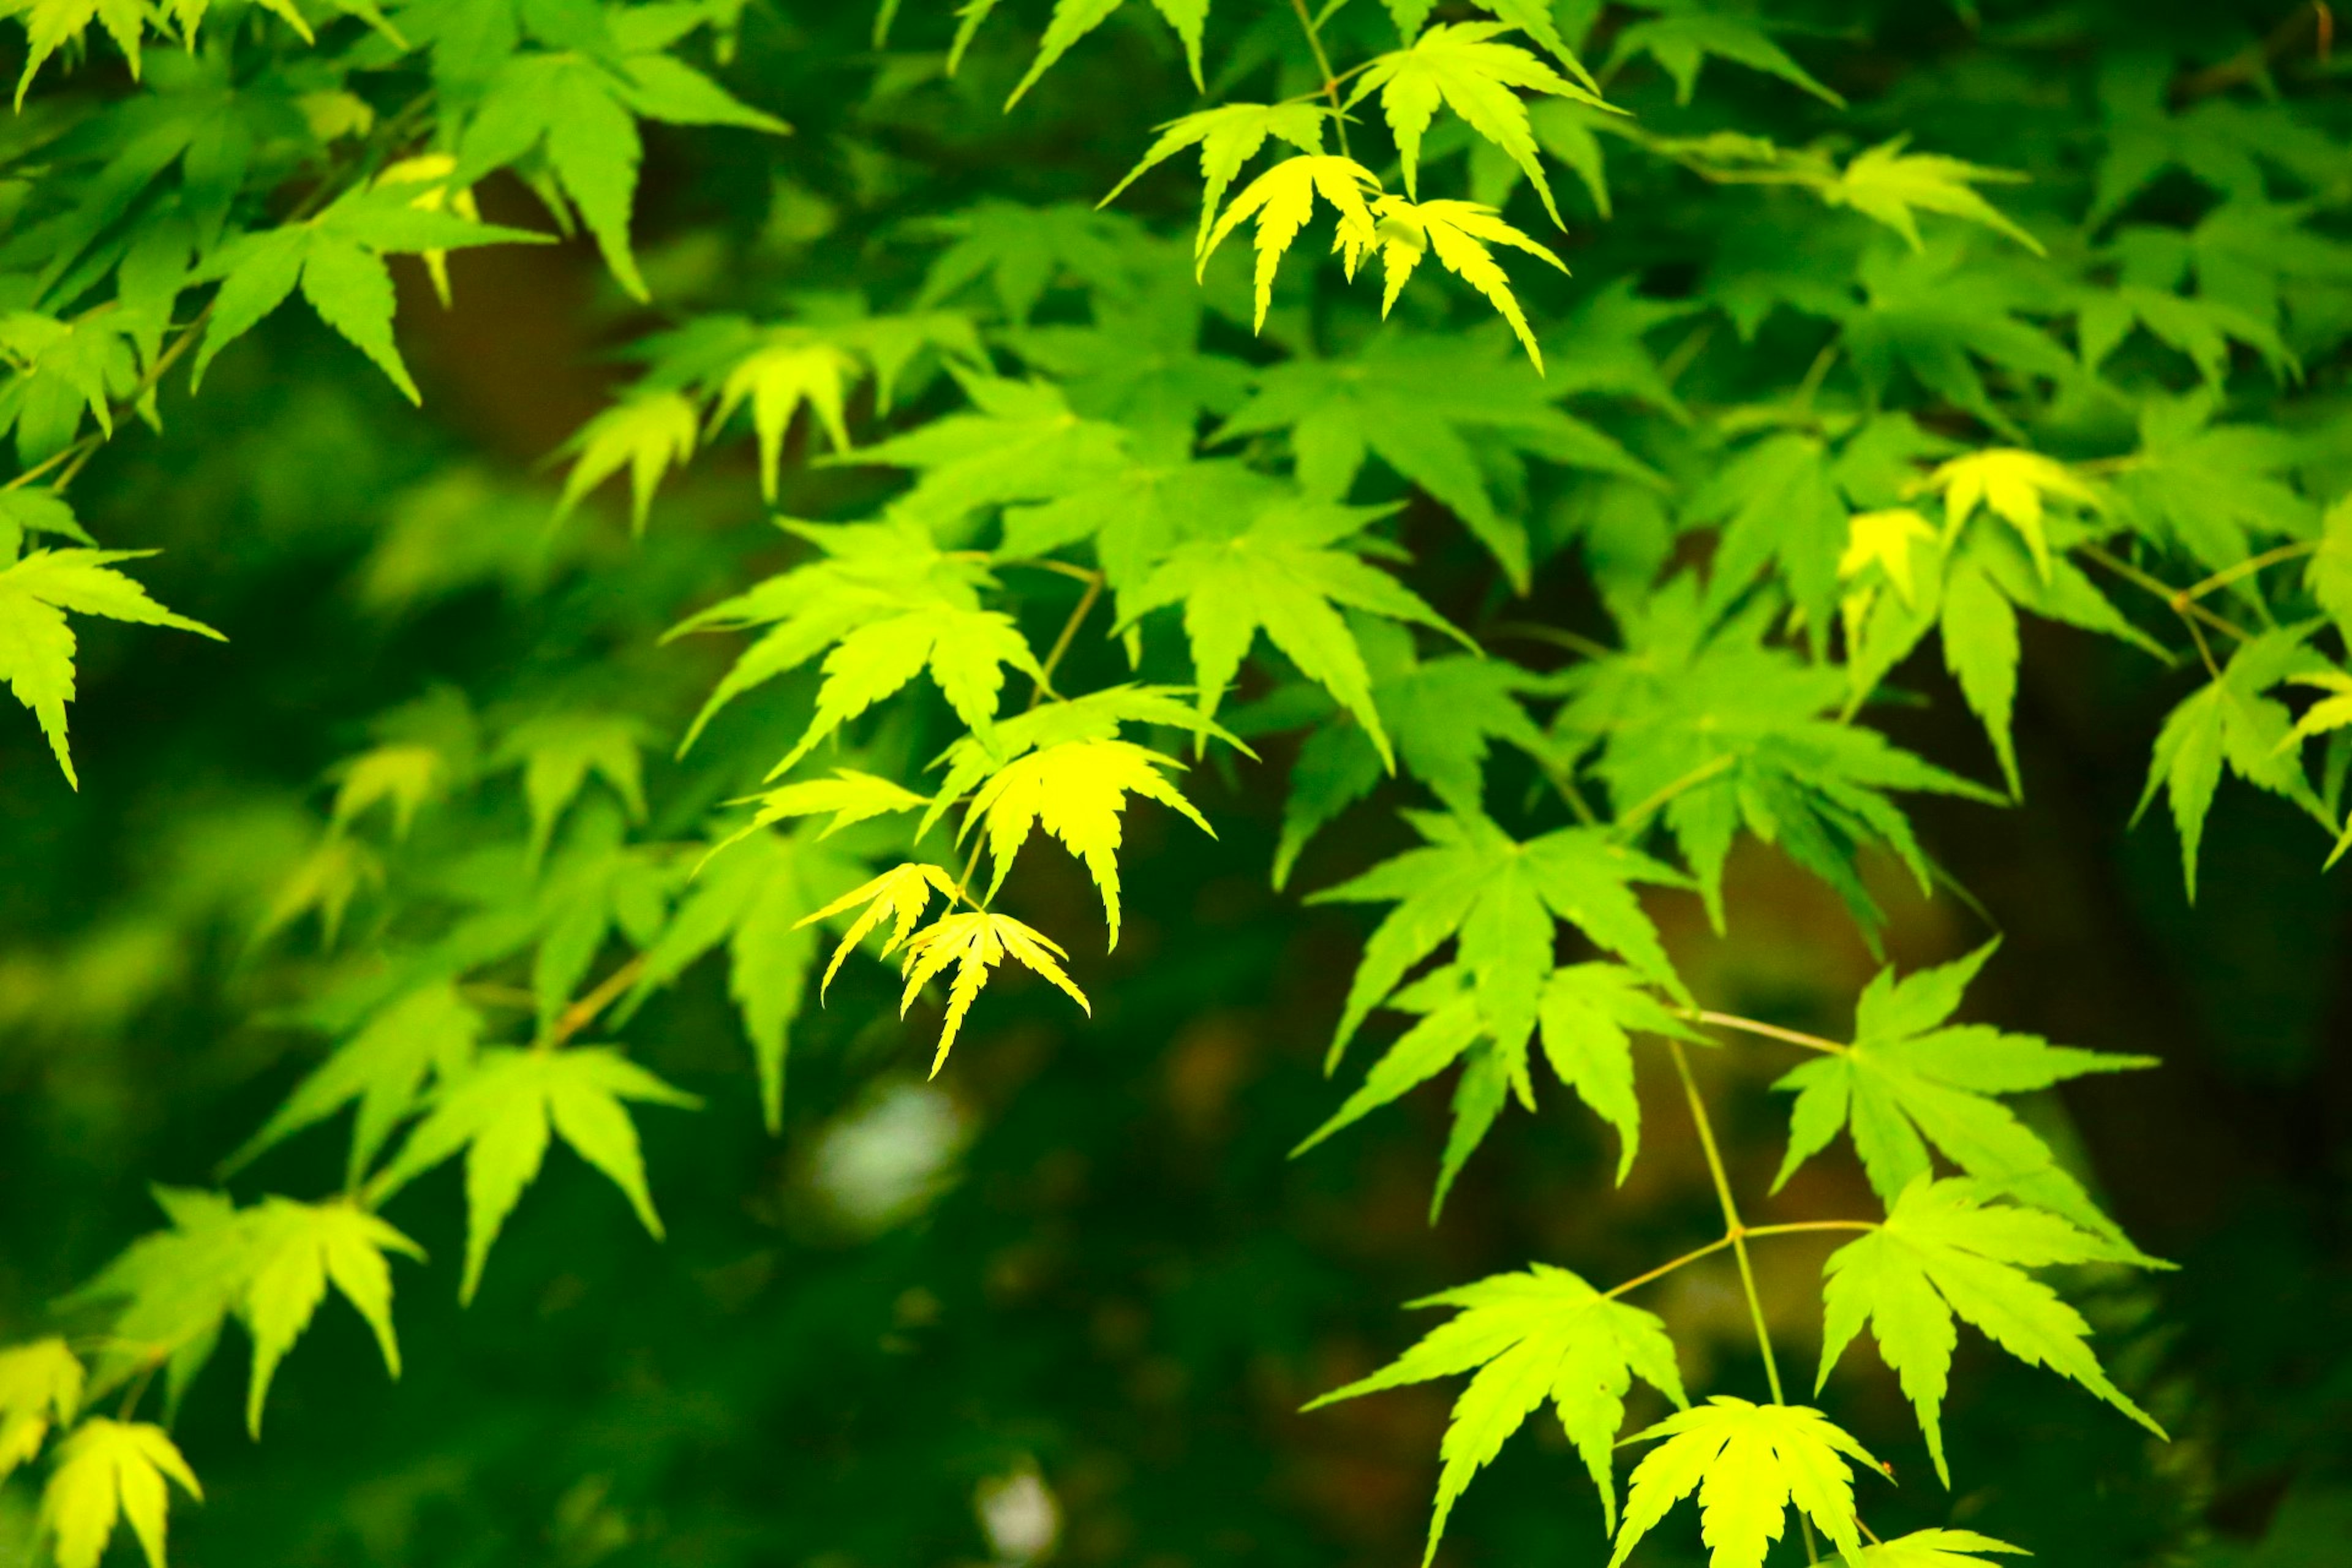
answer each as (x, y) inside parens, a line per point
(430, 1032)
(965, 652)
(40, 1383)
(337, 260)
(1682, 33)
(1445, 413)
(2212, 489)
(559, 751)
(1934, 1549)
(1499, 899)
(1075, 792)
(1228, 136)
(2220, 142)
(1911, 1080)
(297, 1249)
(433, 170)
(1885, 538)
(776, 380)
(174, 1287)
(2229, 723)
(1024, 443)
(406, 777)
(1024, 250)
(1585, 1017)
(1888, 184)
(1283, 200)
(36, 645)
(29, 511)
(1935, 312)
(647, 434)
(1748, 1463)
(753, 898)
(50, 25)
(1282, 574)
(499, 1114)
(850, 795)
(1459, 232)
(1461, 65)
(62, 370)
(898, 895)
(2014, 486)
(1541, 1334)
(1946, 1249)
(1074, 19)
(1778, 501)
(975, 943)
(110, 1469)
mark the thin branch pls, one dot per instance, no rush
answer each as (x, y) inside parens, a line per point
(1323, 64)
(1735, 1233)
(1770, 1031)
(583, 1012)
(2245, 568)
(1044, 687)
(1629, 820)
(2181, 604)
(1662, 1269)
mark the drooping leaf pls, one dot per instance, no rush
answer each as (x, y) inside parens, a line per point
(1283, 200)
(1543, 1334)
(1229, 136)
(898, 895)
(499, 1114)
(1889, 186)
(297, 1249)
(1459, 232)
(1944, 1251)
(107, 1470)
(40, 1386)
(1682, 33)
(1934, 1549)
(559, 751)
(648, 435)
(975, 943)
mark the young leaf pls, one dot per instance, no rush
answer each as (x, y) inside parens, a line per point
(174, 1287)
(1024, 443)
(36, 646)
(1685, 32)
(1076, 791)
(431, 1031)
(898, 895)
(1538, 1335)
(1888, 185)
(40, 1384)
(499, 1114)
(1283, 200)
(2015, 487)
(965, 651)
(297, 1248)
(1934, 1549)
(406, 778)
(1459, 232)
(1748, 1463)
(558, 751)
(646, 434)
(1943, 1251)
(1283, 573)
(1228, 137)
(1074, 19)
(1461, 65)
(1911, 1080)
(1585, 1014)
(110, 1469)
(2229, 723)
(850, 795)
(777, 380)
(976, 943)
(1500, 899)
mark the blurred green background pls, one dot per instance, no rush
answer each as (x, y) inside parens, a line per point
(1066, 1299)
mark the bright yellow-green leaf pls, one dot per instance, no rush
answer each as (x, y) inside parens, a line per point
(110, 1469)
(898, 895)
(850, 795)
(36, 646)
(965, 651)
(777, 379)
(1459, 64)
(1544, 1335)
(1888, 184)
(49, 25)
(1228, 137)
(1748, 1463)
(1460, 233)
(645, 434)
(1283, 200)
(1945, 1249)
(1883, 539)
(558, 751)
(2015, 486)
(40, 1384)
(1075, 792)
(325, 880)
(1934, 1548)
(297, 1248)
(976, 943)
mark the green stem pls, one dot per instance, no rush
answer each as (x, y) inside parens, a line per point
(1044, 687)
(1734, 1233)
(1323, 64)
(2182, 604)
(1717, 1244)
(2246, 568)
(1770, 1031)
(1627, 821)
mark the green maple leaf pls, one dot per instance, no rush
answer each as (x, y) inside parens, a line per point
(2228, 723)
(559, 751)
(31, 509)
(59, 373)
(430, 1032)
(2213, 489)
(1934, 1549)
(646, 433)
(1778, 503)
(753, 898)
(36, 645)
(50, 25)
(1911, 1080)
(1139, 364)
(580, 112)
(1024, 443)
(1682, 33)
(2329, 576)
(40, 1386)
(337, 260)
(2220, 142)
(175, 1289)
(1285, 572)
(1716, 731)
(1889, 186)
(1935, 312)
(499, 1114)
(1074, 19)
(1441, 412)
(1499, 900)
(1945, 1250)
(109, 1469)
(1021, 251)
(1543, 1334)
(1228, 137)
(1461, 65)
(1748, 1463)
(1134, 517)
(1098, 716)
(297, 1249)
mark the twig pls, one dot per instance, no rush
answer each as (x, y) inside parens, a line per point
(2180, 603)
(1323, 64)
(1044, 687)
(583, 1012)
(1770, 1031)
